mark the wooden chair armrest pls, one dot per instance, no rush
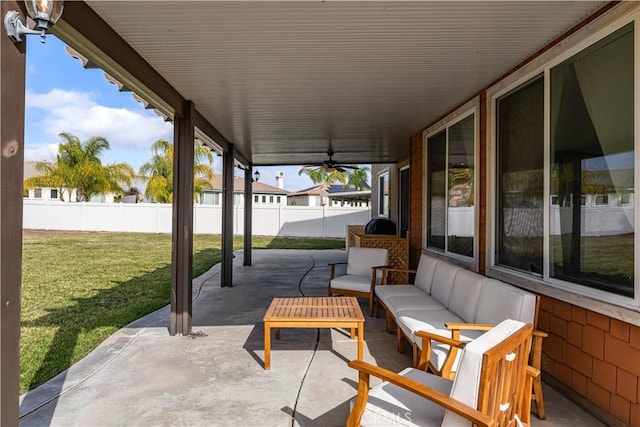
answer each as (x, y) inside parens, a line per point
(400, 270)
(333, 269)
(435, 337)
(460, 326)
(365, 370)
(533, 372)
(374, 274)
(540, 334)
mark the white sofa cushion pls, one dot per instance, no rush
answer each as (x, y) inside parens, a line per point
(467, 382)
(350, 282)
(443, 282)
(425, 272)
(398, 303)
(410, 321)
(499, 301)
(387, 291)
(465, 293)
(361, 260)
(390, 405)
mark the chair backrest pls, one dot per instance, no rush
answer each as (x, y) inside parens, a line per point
(425, 272)
(499, 301)
(361, 260)
(492, 372)
(443, 282)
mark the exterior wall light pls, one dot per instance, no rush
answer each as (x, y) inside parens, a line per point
(256, 176)
(45, 13)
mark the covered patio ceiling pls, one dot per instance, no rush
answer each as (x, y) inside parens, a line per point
(283, 81)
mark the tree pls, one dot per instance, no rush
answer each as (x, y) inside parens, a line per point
(320, 175)
(78, 166)
(358, 178)
(158, 172)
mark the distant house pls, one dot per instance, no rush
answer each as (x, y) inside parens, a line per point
(333, 195)
(49, 194)
(263, 194)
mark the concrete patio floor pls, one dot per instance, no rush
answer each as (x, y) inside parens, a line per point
(142, 376)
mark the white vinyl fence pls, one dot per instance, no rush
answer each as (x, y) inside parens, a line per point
(291, 221)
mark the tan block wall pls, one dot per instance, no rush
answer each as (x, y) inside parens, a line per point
(596, 356)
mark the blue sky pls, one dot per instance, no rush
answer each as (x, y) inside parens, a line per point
(62, 96)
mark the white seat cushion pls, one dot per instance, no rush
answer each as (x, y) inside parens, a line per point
(398, 303)
(387, 291)
(443, 282)
(410, 321)
(349, 282)
(390, 405)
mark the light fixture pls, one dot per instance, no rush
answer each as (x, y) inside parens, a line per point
(45, 13)
(256, 176)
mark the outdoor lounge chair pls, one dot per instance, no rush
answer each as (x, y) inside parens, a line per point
(491, 388)
(362, 274)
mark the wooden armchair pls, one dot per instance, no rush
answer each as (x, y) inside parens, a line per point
(535, 359)
(491, 388)
(363, 273)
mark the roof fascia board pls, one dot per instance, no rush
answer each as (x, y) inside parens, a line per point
(84, 30)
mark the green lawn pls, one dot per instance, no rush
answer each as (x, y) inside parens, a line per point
(79, 288)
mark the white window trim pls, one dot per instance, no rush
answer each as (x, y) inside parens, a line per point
(580, 295)
(380, 212)
(464, 111)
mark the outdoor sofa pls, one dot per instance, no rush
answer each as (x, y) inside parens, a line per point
(454, 302)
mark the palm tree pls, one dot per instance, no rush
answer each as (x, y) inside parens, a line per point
(358, 178)
(158, 172)
(320, 175)
(78, 166)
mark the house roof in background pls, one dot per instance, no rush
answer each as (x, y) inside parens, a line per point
(334, 189)
(30, 170)
(238, 186)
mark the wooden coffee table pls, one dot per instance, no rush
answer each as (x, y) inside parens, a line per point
(312, 312)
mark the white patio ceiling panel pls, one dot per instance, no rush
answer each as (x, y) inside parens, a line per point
(284, 80)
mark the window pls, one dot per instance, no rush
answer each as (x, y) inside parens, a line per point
(580, 164)
(383, 194)
(270, 199)
(451, 188)
(37, 193)
(278, 199)
(520, 164)
(256, 198)
(53, 194)
(592, 153)
(264, 199)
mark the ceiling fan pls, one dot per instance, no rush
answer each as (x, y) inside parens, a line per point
(331, 165)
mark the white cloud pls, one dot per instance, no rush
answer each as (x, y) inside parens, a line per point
(79, 114)
(41, 153)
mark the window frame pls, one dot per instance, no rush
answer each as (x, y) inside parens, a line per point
(470, 108)
(584, 296)
(382, 178)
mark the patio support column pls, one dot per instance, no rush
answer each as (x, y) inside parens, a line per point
(182, 226)
(227, 217)
(12, 81)
(248, 215)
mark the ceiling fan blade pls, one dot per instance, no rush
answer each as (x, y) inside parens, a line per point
(350, 167)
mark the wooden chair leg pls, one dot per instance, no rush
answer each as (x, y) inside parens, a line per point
(371, 303)
(399, 340)
(389, 322)
(415, 354)
(537, 396)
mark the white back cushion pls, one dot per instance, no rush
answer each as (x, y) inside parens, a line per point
(465, 293)
(362, 259)
(499, 301)
(425, 272)
(443, 282)
(466, 384)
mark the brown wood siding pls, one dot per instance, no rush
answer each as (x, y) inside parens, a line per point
(415, 200)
